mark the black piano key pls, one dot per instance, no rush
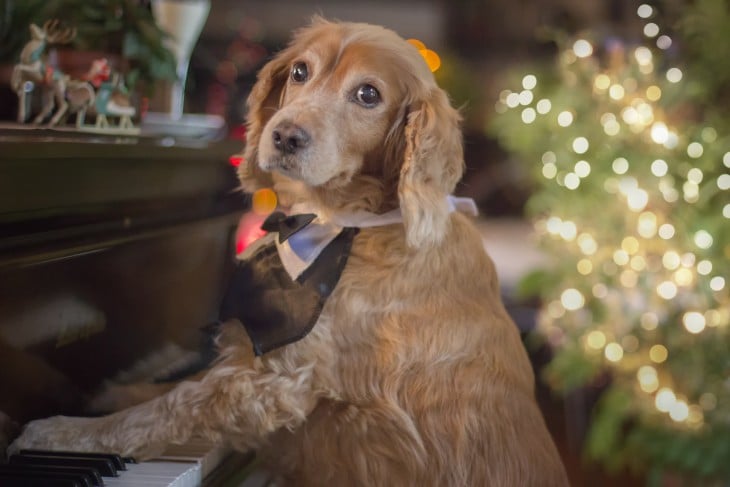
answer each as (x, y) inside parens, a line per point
(104, 466)
(90, 477)
(116, 460)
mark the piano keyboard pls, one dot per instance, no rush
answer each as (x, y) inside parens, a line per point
(179, 466)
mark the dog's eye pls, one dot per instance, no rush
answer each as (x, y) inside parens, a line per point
(367, 96)
(299, 72)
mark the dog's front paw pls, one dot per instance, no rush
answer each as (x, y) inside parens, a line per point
(56, 433)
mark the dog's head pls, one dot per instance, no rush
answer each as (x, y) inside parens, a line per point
(353, 112)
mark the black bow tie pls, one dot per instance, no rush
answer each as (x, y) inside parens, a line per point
(286, 225)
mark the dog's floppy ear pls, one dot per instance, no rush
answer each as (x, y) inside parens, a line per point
(262, 103)
(433, 164)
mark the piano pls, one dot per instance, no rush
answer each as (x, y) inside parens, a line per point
(111, 248)
(188, 465)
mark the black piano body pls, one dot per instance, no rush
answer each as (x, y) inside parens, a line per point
(110, 248)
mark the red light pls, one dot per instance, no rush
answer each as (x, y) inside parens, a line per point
(235, 160)
(238, 132)
(249, 230)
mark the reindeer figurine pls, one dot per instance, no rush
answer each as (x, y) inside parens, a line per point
(33, 68)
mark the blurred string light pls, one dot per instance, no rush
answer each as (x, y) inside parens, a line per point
(582, 48)
(652, 266)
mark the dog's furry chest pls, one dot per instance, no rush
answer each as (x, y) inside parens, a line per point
(275, 309)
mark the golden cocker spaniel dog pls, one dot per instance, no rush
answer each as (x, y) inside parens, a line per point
(413, 374)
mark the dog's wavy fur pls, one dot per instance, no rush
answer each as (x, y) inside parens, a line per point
(414, 373)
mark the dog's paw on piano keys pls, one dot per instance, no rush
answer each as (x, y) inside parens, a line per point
(57, 433)
(79, 434)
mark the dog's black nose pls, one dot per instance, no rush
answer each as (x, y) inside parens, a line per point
(289, 138)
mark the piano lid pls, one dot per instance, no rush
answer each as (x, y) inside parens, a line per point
(64, 186)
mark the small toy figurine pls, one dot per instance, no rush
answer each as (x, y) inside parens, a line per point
(100, 90)
(112, 100)
(33, 69)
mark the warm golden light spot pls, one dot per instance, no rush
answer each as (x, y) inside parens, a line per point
(694, 322)
(658, 353)
(620, 165)
(679, 411)
(616, 92)
(653, 93)
(568, 230)
(704, 267)
(703, 239)
(671, 260)
(417, 44)
(666, 231)
(646, 225)
(717, 283)
(572, 299)
(529, 81)
(644, 11)
(582, 169)
(630, 245)
(264, 201)
(643, 55)
(648, 380)
(664, 42)
(659, 168)
(549, 170)
(665, 399)
(684, 277)
(613, 352)
(602, 82)
(596, 339)
(638, 263)
(528, 115)
(659, 132)
(695, 415)
(582, 48)
(620, 257)
(565, 118)
(674, 75)
(432, 59)
(587, 244)
(667, 290)
(651, 30)
(584, 266)
(600, 290)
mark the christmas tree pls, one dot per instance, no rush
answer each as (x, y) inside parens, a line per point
(629, 144)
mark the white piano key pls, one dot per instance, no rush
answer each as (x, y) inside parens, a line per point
(206, 453)
(168, 474)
